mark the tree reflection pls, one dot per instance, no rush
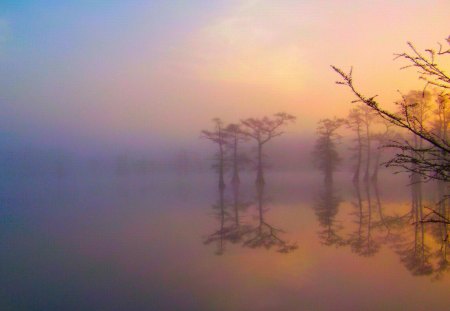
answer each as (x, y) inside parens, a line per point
(219, 236)
(370, 245)
(232, 229)
(413, 252)
(326, 208)
(264, 234)
(440, 233)
(237, 229)
(421, 246)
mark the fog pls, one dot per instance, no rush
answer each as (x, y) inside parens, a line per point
(194, 155)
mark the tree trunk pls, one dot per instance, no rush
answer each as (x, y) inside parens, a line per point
(260, 173)
(376, 165)
(366, 175)
(358, 163)
(221, 168)
(235, 179)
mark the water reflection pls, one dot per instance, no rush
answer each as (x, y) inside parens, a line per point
(261, 234)
(326, 208)
(218, 236)
(230, 226)
(421, 245)
(412, 249)
(264, 234)
(362, 241)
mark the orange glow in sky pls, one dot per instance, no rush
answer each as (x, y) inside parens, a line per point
(163, 71)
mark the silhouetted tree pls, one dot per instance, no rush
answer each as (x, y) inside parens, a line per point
(382, 138)
(236, 135)
(355, 123)
(262, 131)
(368, 117)
(325, 155)
(218, 136)
(431, 161)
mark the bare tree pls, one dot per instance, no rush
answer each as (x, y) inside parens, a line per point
(325, 154)
(431, 161)
(368, 117)
(218, 136)
(382, 138)
(262, 131)
(355, 123)
(236, 135)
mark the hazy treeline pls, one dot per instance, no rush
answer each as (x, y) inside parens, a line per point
(230, 154)
(373, 141)
(35, 163)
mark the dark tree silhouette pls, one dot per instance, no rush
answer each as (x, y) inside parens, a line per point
(218, 136)
(368, 117)
(431, 161)
(355, 123)
(382, 138)
(325, 155)
(236, 135)
(262, 131)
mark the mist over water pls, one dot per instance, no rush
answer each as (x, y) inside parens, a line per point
(171, 240)
(193, 155)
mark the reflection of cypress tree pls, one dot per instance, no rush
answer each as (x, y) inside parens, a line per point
(230, 225)
(361, 240)
(440, 233)
(326, 208)
(356, 240)
(371, 246)
(220, 213)
(414, 254)
(385, 222)
(237, 229)
(264, 234)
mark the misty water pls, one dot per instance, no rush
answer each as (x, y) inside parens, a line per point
(174, 241)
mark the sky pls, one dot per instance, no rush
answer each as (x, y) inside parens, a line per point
(145, 74)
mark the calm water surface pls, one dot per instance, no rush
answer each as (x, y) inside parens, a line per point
(171, 242)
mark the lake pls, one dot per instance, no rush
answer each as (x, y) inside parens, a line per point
(176, 242)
